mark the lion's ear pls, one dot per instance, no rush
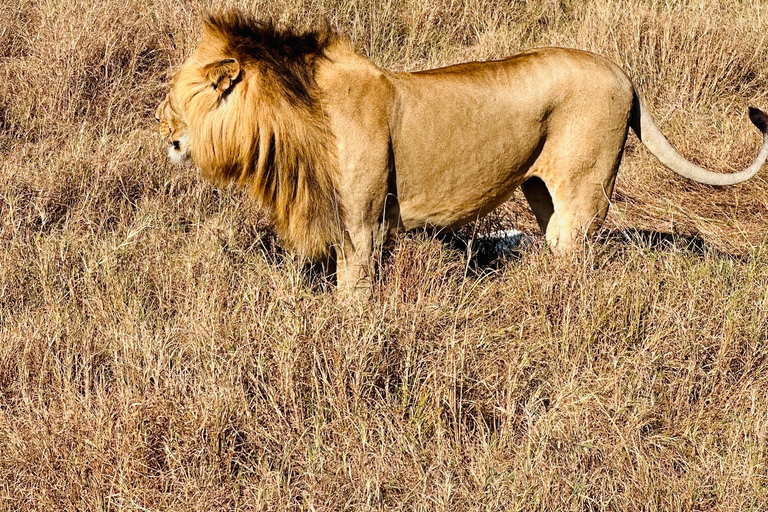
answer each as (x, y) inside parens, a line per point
(222, 74)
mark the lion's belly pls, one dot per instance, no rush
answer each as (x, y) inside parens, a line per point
(447, 202)
(464, 175)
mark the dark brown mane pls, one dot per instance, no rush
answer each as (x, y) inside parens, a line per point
(286, 54)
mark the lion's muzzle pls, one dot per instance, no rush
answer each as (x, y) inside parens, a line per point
(178, 152)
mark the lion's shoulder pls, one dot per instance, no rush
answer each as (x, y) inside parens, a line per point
(350, 81)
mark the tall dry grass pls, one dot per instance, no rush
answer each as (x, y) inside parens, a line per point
(161, 352)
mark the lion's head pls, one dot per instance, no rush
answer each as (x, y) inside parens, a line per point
(244, 109)
(174, 131)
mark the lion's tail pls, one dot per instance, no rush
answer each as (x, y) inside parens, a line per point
(647, 131)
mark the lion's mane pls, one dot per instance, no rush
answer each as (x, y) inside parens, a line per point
(271, 136)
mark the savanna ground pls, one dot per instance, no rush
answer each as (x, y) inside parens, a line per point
(161, 352)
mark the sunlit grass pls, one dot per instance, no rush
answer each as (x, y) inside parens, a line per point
(160, 350)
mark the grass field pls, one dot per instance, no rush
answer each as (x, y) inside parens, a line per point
(160, 351)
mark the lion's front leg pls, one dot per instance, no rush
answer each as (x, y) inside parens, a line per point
(354, 266)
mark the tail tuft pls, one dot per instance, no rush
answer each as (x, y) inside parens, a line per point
(759, 118)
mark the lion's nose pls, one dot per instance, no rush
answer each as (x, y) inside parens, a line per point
(176, 145)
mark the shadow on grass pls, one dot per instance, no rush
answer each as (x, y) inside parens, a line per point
(491, 253)
(660, 242)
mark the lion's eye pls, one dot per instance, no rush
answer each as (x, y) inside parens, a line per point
(157, 118)
(176, 145)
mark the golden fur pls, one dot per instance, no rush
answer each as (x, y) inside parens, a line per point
(344, 153)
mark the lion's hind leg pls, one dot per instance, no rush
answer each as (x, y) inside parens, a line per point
(552, 218)
(580, 206)
(577, 170)
(571, 201)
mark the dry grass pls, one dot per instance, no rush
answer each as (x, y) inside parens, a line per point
(160, 352)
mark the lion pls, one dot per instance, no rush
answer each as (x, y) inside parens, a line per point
(344, 154)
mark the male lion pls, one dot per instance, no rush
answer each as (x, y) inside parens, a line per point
(344, 153)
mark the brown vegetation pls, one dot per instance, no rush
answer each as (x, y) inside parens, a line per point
(160, 352)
